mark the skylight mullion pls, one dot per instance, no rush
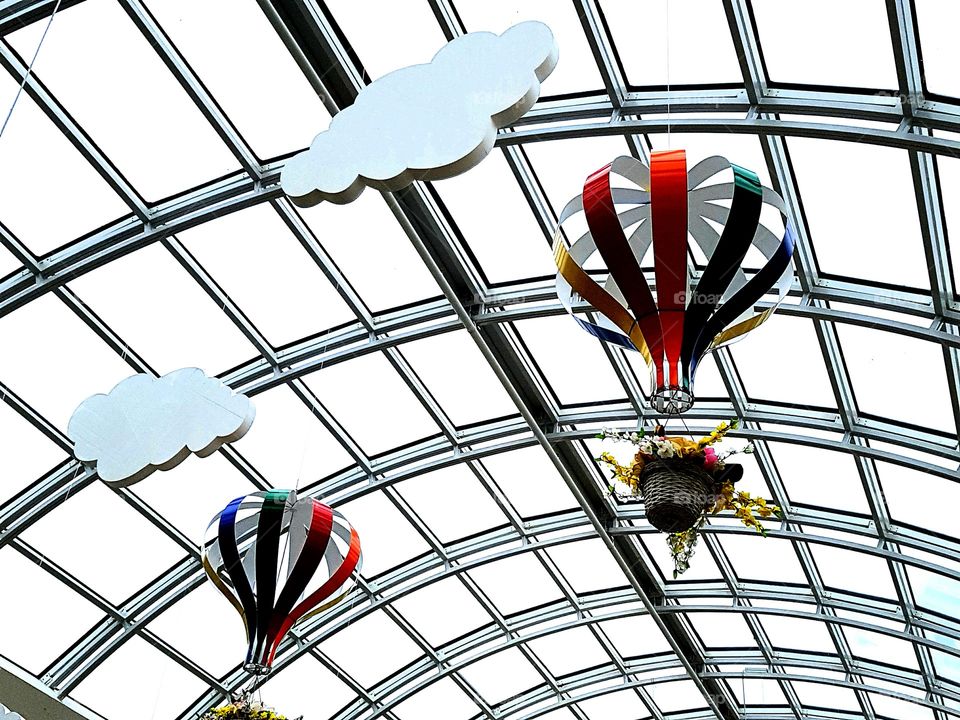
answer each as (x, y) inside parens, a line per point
(422, 393)
(332, 424)
(322, 258)
(601, 44)
(826, 611)
(419, 525)
(12, 243)
(182, 660)
(503, 502)
(193, 86)
(67, 578)
(219, 296)
(922, 652)
(906, 55)
(24, 410)
(747, 45)
(77, 136)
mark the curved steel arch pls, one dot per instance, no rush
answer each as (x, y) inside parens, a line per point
(232, 193)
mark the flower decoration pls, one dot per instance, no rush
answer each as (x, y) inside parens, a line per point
(244, 708)
(718, 477)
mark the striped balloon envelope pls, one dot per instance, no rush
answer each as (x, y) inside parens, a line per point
(279, 560)
(705, 293)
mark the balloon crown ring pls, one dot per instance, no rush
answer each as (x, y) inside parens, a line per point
(698, 307)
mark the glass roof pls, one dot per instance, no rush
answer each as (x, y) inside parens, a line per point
(411, 364)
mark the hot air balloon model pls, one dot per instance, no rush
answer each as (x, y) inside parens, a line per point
(689, 316)
(279, 559)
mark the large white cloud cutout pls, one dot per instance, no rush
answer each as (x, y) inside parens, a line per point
(146, 424)
(426, 122)
(7, 714)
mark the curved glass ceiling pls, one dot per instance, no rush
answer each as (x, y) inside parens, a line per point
(411, 363)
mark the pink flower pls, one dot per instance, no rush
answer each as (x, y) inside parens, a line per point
(709, 457)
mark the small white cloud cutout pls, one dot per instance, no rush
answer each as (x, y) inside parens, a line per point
(146, 424)
(7, 714)
(426, 122)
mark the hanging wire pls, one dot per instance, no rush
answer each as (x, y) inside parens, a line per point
(29, 67)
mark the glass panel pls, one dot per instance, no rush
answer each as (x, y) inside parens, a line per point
(571, 360)
(205, 628)
(635, 636)
(306, 688)
(502, 675)
(941, 56)
(722, 630)
(856, 230)
(442, 694)
(863, 59)
(872, 576)
(619, 705)
(41, 333)
(367, 244)
(562, 166)
(27, 453)
(429, 611)
(948, 169)
(254, 257)
(703, 568)
(40, 164)
(154, 305)
(139, 676)
(881, 648)
(934, 592)
(787, 633)
(400, 416)
(830, 697)
(379, 45)
(161, 153)
(193, 492)
(886, 706)
(576, 71)
(350, 648)
(516, 583)
(818, 477)
(496, 221)
(682, 43)
(758, 558)
(764, 366)
(388, 539)
(274, 117)
(588, 566)
(459, 378)
(530, 482)
(757, 692)
(290, 446)
(883, 361)
(920, 499)
(38, 625)
(570, 650)
(675, 696)
(430, 496)
(115, 558)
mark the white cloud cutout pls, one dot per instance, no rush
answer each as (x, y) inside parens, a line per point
(7, 714)
(146, 424)
(426, 122)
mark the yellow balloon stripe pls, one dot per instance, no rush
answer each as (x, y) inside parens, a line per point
(222, 587)
(741, 328)
(602, 301)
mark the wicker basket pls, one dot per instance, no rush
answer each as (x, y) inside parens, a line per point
(675, 492)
